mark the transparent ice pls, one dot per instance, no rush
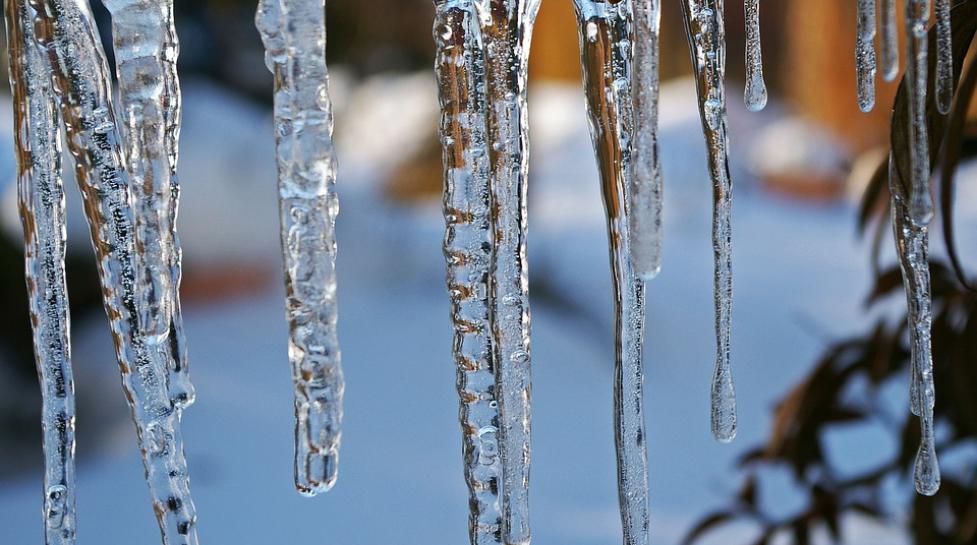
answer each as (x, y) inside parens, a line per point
(606, 50)
(756, 90)
(865, 61)
(646, 193)
(67, 32)
(704, 26)
(920, 201)
(912, 242)
(889, 40)
(460, 69)
(146, 49)
(42, 208)
(944, 56)
(506, 30)
(294, 35)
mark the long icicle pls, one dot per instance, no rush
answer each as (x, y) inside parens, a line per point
(146, 50)
(294, 35)
(865, 60)
(507, 28)
(707, 41)
(912, 243)
(606, 44)
(889, 40)
(646, 204)
(755, 95)
(944, 57)
(67, 30)
(42, 209)
(460, 68)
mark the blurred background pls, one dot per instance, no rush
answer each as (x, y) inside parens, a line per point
(802, 276)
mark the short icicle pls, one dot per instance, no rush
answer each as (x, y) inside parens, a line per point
(646, 195)
(920, 202)
(294, 35)
(912, 243)
(460, 67)
(707, 40)
(889, 40)
(606, 43)
(146, 50)
(944, 57)
(42, 209)
(865, 60)
(67, 31)
(506, 29)
(756, 90)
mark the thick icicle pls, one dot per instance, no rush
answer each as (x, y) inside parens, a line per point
(42, 209)
(912, 243)
(646, 199)
(707, 40)
(460, 67)
(889, 40)
(67, 30)
(920, 201)
(606, 46)
(146, 50)
(507, 28)
(944, 57)
(865, 62)
(756, 89)
(294, 34)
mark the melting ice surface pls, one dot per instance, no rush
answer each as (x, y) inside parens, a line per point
(294, 35)
(606, 36)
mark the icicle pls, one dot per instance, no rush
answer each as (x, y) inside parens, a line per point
(645, 205)
(460, 67)
(889, 40)
(865, 55)
(756, 89)
(921, 203)
(146, 49)
(606, 44)
(912, 243)
(294, 34)
(707, 40)
(944, 57)
(507, 28)
(42, 209)
(67, 30)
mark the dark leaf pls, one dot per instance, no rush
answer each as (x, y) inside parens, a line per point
(952, 149)
(707, 524)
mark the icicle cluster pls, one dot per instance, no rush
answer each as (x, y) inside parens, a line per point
(57, 58)
(460, 67)
(912, 212)
(606, 51)
(707, 40)
(294, 35)
(42, 207)
(917, 19)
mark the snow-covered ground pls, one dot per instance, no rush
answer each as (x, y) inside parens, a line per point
(799, 279)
